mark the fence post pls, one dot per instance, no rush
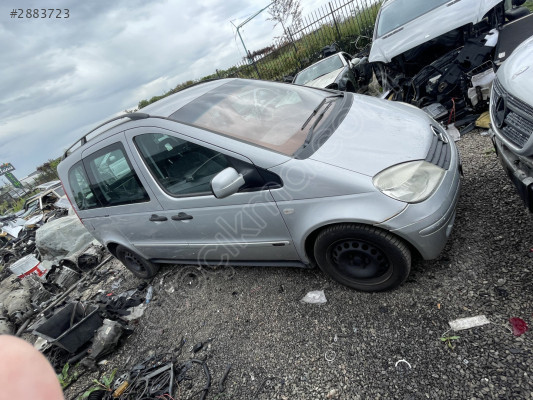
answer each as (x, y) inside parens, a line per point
(251, 59)
(335, 22)
(291, 39)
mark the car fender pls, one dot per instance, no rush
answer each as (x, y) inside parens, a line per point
(304, 217)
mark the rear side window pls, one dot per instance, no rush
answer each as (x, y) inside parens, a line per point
(81, 189)
(113, 179)
(182, 168)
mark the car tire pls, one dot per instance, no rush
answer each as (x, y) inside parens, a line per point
(362, 257)
(136, 264)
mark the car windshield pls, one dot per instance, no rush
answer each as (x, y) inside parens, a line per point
(267, 114)
(400, 12)
(323, 67)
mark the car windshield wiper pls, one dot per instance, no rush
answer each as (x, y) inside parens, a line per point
(341, 94)
(311, 132)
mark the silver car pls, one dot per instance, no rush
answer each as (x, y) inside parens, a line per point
(511, 113)
(247, 172)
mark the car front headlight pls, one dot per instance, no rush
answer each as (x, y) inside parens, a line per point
(411, 182)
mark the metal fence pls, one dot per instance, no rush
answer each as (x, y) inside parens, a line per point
(348, 24)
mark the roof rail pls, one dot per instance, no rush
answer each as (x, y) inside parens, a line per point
(133, 116)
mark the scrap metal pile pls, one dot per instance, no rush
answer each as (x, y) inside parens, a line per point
(162, 376)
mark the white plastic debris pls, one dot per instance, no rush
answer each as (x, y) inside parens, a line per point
(135, 312)
(467, 323)
(402, 361)
(492, 38)
(453, 132)
(315, 297)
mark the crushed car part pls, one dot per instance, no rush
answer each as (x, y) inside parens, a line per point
(71, 327)
(105, 341)
(67, 277)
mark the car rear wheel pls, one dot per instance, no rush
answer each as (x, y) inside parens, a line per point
(136, 264)
(362, 257)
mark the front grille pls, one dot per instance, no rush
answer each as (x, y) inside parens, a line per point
(517, 126)
(439, 153)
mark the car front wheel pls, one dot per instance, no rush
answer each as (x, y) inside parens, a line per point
(362, 257)
(135, 263)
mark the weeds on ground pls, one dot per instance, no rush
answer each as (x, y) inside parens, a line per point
(448, 340)
(66, 378)
(103, 384)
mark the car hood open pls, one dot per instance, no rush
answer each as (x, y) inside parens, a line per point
(377, 134)
(433, 24)
(325, 80)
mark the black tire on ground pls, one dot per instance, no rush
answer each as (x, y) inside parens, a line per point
(362, 257)
(136, 264)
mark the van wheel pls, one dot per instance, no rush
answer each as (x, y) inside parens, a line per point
(135, 263)
(362, 257)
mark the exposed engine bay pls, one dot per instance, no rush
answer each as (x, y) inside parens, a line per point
(450, 76)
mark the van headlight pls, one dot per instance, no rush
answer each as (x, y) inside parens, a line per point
(411, 182)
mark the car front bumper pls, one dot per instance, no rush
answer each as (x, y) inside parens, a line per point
(427, 225)
(518, 169)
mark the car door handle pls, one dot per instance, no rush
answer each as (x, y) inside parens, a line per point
(158, 218)
(181, 217)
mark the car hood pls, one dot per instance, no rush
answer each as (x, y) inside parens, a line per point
(325, 80)
(516, 73)
(377, 134)
(429, 26)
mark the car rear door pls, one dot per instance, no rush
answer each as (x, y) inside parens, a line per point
(124, 205)
(246, 226)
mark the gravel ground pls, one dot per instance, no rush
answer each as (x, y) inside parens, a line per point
(278, 346)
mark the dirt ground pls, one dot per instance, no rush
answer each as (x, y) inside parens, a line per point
(350, 347)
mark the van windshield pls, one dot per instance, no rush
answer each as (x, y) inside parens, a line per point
(261, 113)
(400, 12)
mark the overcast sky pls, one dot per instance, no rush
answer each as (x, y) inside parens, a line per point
(60, 77)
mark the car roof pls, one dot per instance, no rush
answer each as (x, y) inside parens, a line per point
(163, 108)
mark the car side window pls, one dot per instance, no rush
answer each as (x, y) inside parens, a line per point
(81, 189)
(180, 167)
(112, 177)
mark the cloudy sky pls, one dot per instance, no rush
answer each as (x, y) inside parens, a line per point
(62, 76)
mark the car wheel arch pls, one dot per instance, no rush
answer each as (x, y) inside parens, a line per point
(112, 248)
(310, 240)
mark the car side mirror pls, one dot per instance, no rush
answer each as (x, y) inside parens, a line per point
(354, 62)
(226, 183)
(518, 3)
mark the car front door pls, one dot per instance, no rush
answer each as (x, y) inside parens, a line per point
(246, 226)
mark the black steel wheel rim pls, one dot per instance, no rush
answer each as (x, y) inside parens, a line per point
(133, 262)
(359, 260)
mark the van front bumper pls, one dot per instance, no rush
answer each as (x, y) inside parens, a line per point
(518, 169)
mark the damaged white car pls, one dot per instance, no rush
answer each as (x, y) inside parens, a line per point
(435, 52)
